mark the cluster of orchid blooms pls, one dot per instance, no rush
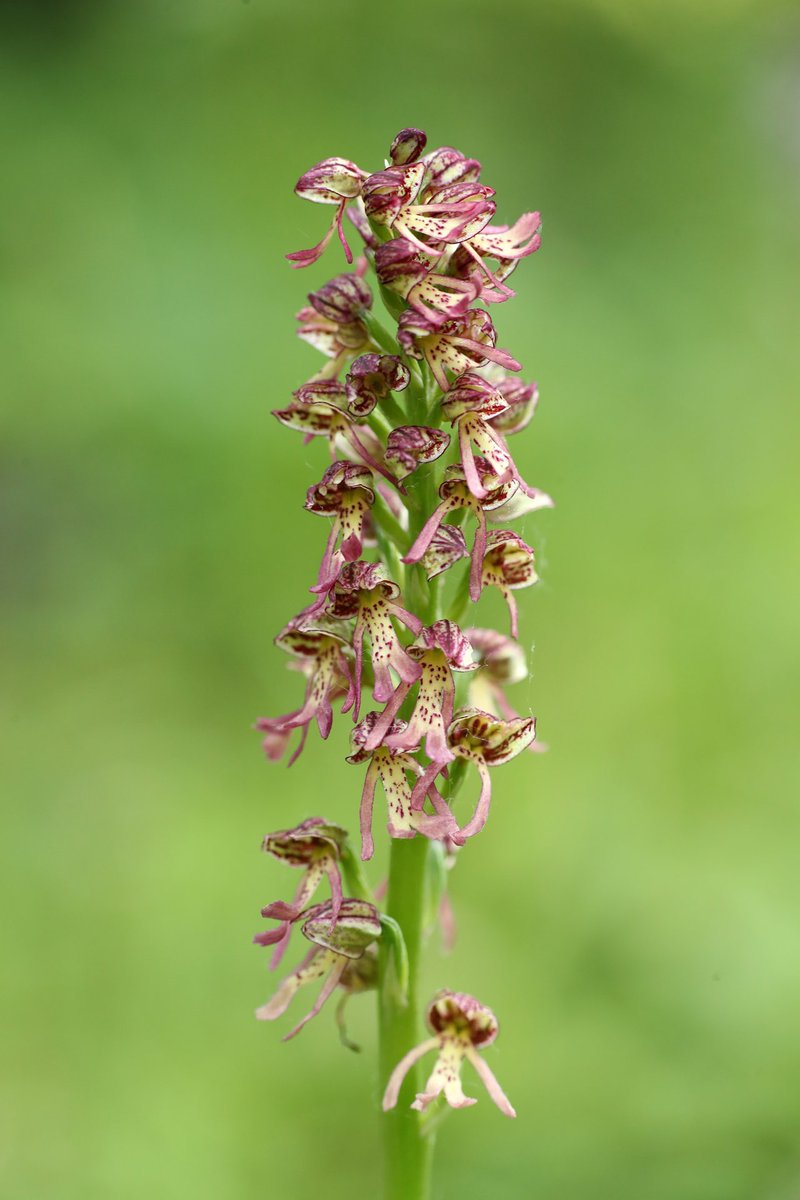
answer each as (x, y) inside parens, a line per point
(382, 402)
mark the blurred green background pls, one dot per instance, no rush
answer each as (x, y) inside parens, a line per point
(631, 912)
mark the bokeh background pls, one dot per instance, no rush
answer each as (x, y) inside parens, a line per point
(631, 912)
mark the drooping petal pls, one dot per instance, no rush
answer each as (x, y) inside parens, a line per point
(326, 991)
(490, 1083)
(392, 1093)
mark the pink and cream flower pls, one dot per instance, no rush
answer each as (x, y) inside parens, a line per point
(336, 945)
(391, 768)
(456, 344)
(363, 592)
(461, 1027)
(456, 494)
(440, 649)
(314, 846)
(323, 659)
(486, 741)
(345, 493)
(332, 181)
(508, 565)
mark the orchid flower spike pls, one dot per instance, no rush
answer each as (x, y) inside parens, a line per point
(461, 1027)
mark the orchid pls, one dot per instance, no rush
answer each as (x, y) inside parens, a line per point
(336, 944)
(345, 492)
(362, 591)
(315, 846)
(417, 412)
(461, 1026)
(332, 181)
(508, 565)
(456, 344)
(486, 741)
(456, 494)
(322, 654)
(391, 766)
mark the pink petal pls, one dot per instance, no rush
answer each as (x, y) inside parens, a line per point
(397, 1076)
(490, 1083)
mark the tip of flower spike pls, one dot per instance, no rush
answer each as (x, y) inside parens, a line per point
(407, 146)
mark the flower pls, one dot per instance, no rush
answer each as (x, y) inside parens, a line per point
(456, 493)
(507, 245)
(336, 945)
(487, 741)
(321, 652)
(447, 546)
(470, 406)
(390, 768)
(317, 409)
(371, 378)
(332, 181)
(315, 846)
(508, 565)
(440, 649)
(345, 492)
(363, 591)
(521, 398)
(461, 1026)
(332, 320)
(401, 198)
(410, 445)
(407, 146)
(456, 344)
(502, 663)
(405, 269)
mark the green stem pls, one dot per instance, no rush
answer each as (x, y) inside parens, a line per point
(408, 1143)
(408, 1153)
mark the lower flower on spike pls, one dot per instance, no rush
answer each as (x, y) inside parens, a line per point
(461, 1026)
(337, 944)
(315, 846)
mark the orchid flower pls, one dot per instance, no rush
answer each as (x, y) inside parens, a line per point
(457, 344)
(314, 846)
(335, 946)
(440, 649)
(461, 1026)
(487, 741)
(371, 378)
(332, 322)
(363, 591)
(470, 406)
(508, 565)
(390, 767)
(322, 653)
(332, 181)
(456, 494)
(345, 492)
(318, 409)
(409, 446)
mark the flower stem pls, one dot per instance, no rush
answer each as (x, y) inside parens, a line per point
(408, 1153)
